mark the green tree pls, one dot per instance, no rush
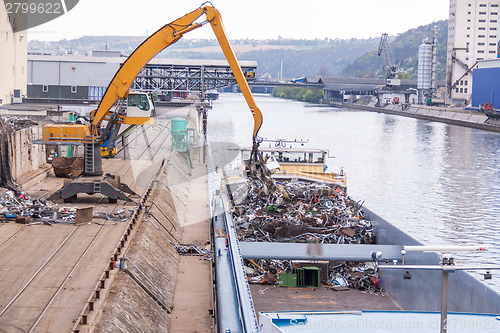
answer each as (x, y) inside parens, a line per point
(302, 94)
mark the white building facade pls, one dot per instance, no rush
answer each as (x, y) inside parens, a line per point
(472, 35)
(13, 60)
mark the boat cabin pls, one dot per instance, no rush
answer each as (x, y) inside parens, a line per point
(302, 162)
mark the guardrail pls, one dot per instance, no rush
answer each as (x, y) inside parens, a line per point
(248, 316)
(245, 307)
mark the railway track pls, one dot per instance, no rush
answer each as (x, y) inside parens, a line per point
(49, 268)
(11, 236)
(46, 265)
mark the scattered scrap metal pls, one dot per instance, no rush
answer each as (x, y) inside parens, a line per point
(121, 215)
(182, 249)
(23, 209)
(191, 249)
(302, 212)
(364, 277)
(19, 123)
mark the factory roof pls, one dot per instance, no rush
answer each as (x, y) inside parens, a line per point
(488, 63)
(154, 61)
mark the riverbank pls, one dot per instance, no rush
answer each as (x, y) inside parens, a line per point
(453, 116)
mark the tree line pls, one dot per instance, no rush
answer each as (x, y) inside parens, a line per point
(301, 94)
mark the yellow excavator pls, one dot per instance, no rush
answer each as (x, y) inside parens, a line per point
(94, 134)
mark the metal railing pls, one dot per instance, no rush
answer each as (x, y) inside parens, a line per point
(247, 309)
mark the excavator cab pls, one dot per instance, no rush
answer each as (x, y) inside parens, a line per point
(140, 109)
(140, 104)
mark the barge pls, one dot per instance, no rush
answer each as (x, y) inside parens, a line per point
(414, 290)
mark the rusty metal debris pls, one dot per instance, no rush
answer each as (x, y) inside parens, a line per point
(67, 167)
(364, 277)
(19, 123)
(300, 213)
(23, 209)
(344, 276)
(265, 271)
(303, 213)
(121, 215)
(191, 249)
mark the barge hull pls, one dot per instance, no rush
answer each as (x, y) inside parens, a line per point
(423, 291)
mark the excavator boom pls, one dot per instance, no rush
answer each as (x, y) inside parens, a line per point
(218, 28)
(93, 135)
(161, 39)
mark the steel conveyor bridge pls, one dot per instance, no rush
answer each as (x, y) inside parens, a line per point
(189, 75)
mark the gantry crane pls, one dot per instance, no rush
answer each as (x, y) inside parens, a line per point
(390, 67)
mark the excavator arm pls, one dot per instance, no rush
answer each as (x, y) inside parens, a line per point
(161, 39)
(215, 21)
(92, 180)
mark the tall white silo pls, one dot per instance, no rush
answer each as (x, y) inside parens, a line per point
(424, 77)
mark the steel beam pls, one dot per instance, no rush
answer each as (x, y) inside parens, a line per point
(314, 251)
(163, 77)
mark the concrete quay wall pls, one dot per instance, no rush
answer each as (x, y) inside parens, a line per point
(450, 116)
(24, 155)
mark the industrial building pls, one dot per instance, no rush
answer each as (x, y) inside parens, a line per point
(85, 78)
(13, 61)
(472, 36)
(486, 83)
(70, 77)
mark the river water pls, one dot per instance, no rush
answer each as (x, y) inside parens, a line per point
(439, 183)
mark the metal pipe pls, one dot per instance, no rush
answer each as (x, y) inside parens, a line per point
(316, 251)
(444, 302)
(446, 248)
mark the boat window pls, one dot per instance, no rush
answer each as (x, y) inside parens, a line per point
(297, 157)
(288, 156)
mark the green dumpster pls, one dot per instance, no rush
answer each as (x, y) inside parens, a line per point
(287, 279)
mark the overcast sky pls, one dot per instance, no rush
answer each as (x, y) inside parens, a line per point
(257, 19)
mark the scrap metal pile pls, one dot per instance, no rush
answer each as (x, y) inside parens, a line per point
(364, 277)
(19, 123)
(346, 275)
(23, 209)
(300, 213)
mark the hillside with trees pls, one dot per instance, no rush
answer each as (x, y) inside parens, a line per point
(405, 51)
(321, 60)
(297, 57)
(300, 57)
